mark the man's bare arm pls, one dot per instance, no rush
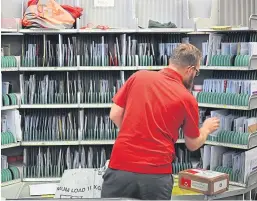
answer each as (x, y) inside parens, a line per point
(195, 143)
(116, 115)
(209, 126)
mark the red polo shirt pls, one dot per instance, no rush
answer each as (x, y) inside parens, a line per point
(156, 105)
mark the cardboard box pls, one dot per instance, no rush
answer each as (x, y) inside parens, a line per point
(206, 182)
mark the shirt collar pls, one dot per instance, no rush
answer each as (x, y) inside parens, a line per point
(172, 74)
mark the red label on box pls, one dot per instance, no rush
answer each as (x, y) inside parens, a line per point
(192, 171)
(185, 182)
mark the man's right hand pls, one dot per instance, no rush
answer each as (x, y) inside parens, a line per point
(211, 124)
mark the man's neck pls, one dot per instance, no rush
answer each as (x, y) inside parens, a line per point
(175, 68)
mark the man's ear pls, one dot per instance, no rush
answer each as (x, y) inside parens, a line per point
(188, 69)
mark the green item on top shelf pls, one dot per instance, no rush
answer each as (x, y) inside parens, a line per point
(156, 24)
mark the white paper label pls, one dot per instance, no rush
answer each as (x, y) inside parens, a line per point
(209, 174)
(220, 185)
(253, 87)
(199, 185)
(103, 3)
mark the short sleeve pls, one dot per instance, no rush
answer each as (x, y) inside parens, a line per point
(191, 121)
(120, 97)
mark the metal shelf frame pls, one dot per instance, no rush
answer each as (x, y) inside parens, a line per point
(9, 107)
(233, 29)
(252, 104)
(126, 30)
(48, 31)
(8, 183)
(252, 179)
(67, 143)
(49, 143)
(230, 68)
(42, 179)
(48, 106)
(7, 146)
(252, 143)
(3, 30)
(75, 105)
(41, 69)
(15, 69)
(253, 66)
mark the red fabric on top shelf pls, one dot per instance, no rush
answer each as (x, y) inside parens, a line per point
(32, 2)
(76, 12)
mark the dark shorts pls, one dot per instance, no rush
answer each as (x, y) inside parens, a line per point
(122, 184)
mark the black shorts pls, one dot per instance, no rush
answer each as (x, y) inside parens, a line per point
(123, 184)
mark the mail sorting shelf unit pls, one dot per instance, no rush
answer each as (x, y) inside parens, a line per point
(8, 113)
(66, 32)
(10, 132)
(40, 134)
(10, 98)
(54, 106)
(248, 75)
(87, 97)
(224, 135)
(76, 106)
(248, 111)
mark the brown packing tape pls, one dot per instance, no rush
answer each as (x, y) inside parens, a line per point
(252, 128)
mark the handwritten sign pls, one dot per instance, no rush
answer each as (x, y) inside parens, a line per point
(81, 183)
(98, 181)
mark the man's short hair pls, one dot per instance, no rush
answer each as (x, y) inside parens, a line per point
(186, 55)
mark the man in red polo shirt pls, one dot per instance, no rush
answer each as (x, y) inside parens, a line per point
(149, 110)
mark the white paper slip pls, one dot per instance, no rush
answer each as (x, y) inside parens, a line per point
(42, 189)
(103, 3)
